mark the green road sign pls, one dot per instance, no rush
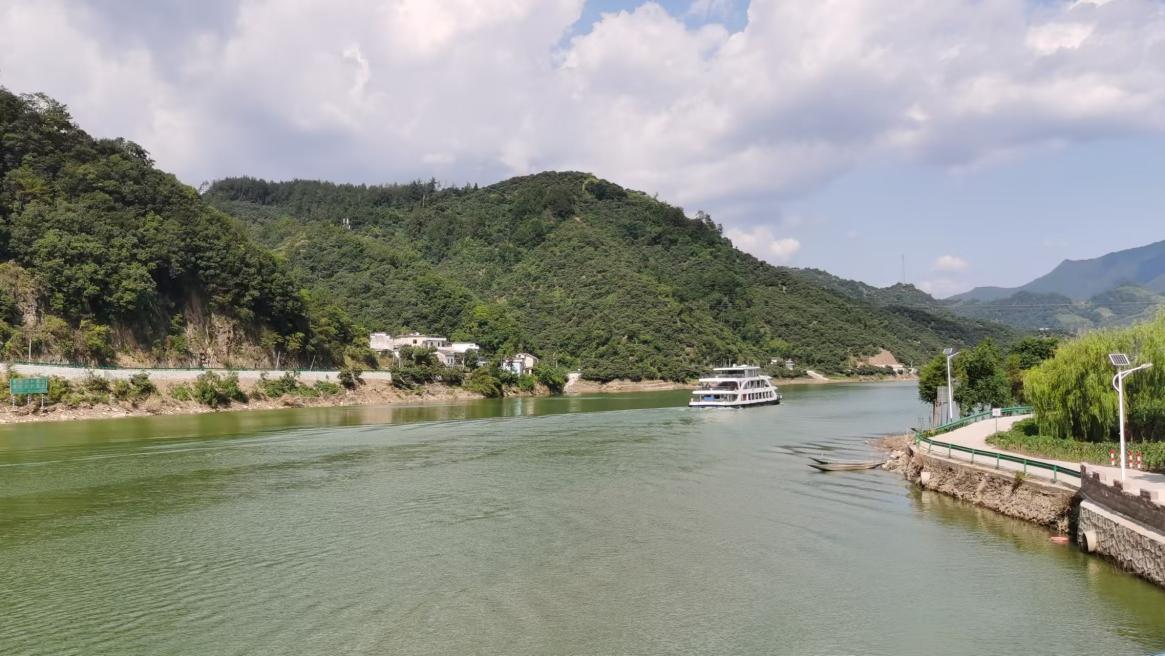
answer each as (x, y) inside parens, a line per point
(26, 386)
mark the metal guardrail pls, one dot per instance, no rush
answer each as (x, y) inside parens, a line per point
(999, 458)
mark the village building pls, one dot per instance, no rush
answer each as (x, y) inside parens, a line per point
(522, 363)
(448, 353)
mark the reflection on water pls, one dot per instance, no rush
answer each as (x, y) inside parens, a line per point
(527, 526)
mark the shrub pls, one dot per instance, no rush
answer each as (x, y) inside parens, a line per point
(554, 378)
(483, 382)
(94, 383)
(327, 388)
(216, 391)
(350, 377)
(288, 383)
(59, 388)
(182, 392)
(135, 390)
(1024, 437)
(527, 382)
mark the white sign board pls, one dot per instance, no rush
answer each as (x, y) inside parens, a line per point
(997, 412)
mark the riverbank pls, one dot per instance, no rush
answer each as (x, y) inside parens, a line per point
(582, 386)
(371, 392)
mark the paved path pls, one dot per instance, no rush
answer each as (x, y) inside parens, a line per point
(975, 436)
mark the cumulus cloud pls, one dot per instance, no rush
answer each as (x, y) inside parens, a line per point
(942, 287)
(761, 242)
(950, 263)
(734, 122)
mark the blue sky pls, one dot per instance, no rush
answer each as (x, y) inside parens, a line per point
(985, 141)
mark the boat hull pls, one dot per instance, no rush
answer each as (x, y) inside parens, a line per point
(733, 404)
(846, 466)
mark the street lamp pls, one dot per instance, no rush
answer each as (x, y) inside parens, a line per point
(950, 353)
(1119, 360)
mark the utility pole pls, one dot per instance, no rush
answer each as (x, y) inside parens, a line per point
(1119, 360)
(950, 353)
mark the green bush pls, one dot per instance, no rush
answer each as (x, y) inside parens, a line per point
(327, 388)
(216, 391)
(482, 381)
(59, 388)
(135, 390)
(554, 378)
(183, 392)
(527, 382)
(96, 384)
(350, 377)
(1024, 437)
(288, 383)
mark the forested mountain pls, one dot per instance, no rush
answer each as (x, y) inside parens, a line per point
(102, 255)
(575, 268)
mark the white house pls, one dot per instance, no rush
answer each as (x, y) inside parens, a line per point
(450, 354)
(519, 364)
(386, 342)
(380, 342)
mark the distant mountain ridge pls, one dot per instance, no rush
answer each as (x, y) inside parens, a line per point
(1080, 280)
(1119, 288)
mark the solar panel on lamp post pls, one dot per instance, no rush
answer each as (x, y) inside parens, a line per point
(1119, 360)
(950, 353)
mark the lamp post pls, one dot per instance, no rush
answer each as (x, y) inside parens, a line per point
(950, 353)
(1119, 360)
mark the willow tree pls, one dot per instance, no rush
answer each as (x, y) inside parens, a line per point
(1072, 393)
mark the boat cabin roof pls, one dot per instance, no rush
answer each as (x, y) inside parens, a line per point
(746, 370)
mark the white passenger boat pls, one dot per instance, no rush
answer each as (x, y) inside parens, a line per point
(738, 386)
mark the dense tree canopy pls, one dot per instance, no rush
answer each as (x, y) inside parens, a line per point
(97, 238)
(566, 264)
(1072, 392)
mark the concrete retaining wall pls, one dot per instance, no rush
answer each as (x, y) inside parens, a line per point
(179, 375)
(1141, 506)
(1037, 501)
(1135, 547)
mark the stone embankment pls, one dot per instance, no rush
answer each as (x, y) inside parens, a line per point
(1124, 523)
(1010, 493)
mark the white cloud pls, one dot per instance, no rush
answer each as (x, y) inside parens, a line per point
(761, 242)
(477, 90)
(942, 287)
(950, 263)
(709, 8)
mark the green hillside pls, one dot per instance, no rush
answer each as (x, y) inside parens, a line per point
(104, 257)
(570, 266)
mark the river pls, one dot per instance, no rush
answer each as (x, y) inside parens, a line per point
(622, 524)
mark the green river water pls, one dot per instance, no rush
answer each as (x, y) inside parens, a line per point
(623, 524)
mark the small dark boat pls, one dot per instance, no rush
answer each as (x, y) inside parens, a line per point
(844, 466)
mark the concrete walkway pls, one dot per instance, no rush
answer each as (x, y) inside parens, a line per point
(975, 436)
